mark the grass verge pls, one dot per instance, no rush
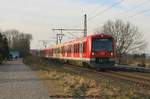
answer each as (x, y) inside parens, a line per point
(79, 85)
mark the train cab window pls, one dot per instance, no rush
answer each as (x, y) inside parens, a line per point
(104, 44)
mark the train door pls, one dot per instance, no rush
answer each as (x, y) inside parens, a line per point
(81, 50)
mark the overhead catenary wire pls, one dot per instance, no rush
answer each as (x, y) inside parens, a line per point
(72, 34)
(129, 10)
(96, 9)
(106, 9)
(116, 4)
(139, 13)
(138, 6)
(134, 8)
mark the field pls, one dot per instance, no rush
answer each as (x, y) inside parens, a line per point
(80, 83)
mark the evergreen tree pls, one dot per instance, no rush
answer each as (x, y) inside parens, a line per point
(1, 47)
(4, 49)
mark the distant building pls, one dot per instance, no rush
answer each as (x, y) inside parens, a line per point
(13, 54)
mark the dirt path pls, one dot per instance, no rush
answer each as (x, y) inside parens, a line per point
(18, 81)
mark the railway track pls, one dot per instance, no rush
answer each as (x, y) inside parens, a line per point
(130, 75)
(143, 74)
(124, 76)
(136, 78)
(134, 68)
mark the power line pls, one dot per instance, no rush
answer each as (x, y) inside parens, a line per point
(59, 36)
(67, 29)
(103, 11)
(141, 12)
(113, 5)
(96, 8)
(137, 6)
(72, 34)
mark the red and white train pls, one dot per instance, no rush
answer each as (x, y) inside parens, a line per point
(96, 51)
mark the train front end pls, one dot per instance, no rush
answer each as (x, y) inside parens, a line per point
(102, 51)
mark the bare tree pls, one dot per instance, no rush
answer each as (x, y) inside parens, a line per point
(22, 42)
(18, 41)
(127, 36)
(11, 35)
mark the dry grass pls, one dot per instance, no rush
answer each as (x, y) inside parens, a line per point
(76, 85)
(79, 85)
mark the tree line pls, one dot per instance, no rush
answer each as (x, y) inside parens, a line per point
(4, 48)
(14, 40)
(18, 41)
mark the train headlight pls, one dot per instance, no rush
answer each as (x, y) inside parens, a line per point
(111, 54)
(92, 53)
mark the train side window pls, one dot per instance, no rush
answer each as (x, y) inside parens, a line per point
(84, 47)
(75, 48)
(58, 50)
(65, 48)
(62, 50)
(78, 48)
(70, 46)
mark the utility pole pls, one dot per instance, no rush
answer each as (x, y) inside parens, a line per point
(85, 25)
(59, 36)
(44, 43)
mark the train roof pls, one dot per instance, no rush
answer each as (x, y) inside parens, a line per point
(81, 39)
(102, 34)
(95, 35)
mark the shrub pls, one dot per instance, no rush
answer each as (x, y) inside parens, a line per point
(1, 59)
